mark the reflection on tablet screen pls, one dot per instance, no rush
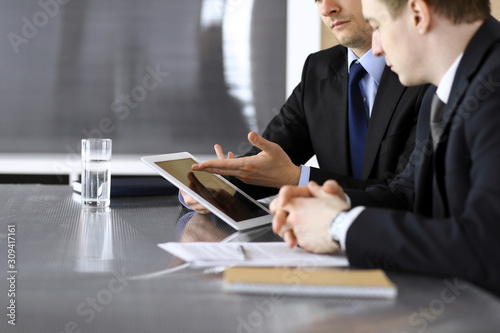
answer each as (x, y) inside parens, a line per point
(213, 190)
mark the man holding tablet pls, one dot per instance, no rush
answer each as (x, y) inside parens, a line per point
(224, 199)
(349, 110)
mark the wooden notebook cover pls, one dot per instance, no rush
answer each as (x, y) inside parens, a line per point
(308, 276)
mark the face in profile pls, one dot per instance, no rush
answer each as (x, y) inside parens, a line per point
(396, 39)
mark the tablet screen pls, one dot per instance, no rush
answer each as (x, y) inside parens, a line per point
(213, 189)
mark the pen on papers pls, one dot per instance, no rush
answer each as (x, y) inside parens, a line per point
(242, 252)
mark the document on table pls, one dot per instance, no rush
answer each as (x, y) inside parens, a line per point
(264, 254)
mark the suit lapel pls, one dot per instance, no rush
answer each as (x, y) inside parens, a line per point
(488, 34)
(422, 159)
(333, 89)
(384, 106)
(456, 96)
(440, 201)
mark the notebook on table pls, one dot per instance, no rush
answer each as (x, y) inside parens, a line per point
(372, 283)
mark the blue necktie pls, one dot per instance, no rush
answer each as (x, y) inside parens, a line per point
(358, 119)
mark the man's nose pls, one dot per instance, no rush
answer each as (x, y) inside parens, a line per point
(328, 7)
(377, 48)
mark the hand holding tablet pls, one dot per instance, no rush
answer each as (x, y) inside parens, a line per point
(213, 191)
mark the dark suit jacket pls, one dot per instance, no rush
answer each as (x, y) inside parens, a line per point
(448, 221)
(314, 121)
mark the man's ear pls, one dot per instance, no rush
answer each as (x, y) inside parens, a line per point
(420, 14)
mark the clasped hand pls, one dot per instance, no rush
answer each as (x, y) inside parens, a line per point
(303, 215)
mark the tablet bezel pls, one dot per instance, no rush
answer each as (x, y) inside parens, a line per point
(241, 225)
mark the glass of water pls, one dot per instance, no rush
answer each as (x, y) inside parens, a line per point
(96, 172)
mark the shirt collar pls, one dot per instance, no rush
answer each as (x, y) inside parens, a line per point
(444, 88)
(373, 65)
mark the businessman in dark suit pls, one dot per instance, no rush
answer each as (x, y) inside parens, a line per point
(315, 118)
(442, 215)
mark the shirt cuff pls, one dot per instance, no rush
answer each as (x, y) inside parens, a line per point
(181, 200)
(349, 218)
(348, 200)
(305, 174)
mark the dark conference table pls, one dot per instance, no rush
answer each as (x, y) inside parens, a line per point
(76, 271)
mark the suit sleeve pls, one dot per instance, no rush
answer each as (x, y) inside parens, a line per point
(320, 176)
(397, 195)
(404, 158)
(289, 130)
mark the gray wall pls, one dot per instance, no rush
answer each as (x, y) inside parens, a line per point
(76, 68)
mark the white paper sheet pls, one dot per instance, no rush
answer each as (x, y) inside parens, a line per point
(203, 254)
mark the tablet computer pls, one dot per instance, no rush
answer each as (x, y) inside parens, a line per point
(214, 192)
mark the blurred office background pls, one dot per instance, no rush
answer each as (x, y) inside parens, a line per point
(156, 76)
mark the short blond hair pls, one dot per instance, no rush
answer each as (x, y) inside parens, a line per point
(457, 11)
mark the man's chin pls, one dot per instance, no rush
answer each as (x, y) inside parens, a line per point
(409, 80)
(345, 40)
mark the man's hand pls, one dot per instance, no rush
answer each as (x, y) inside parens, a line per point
(271, 167)
(193, 203)
(303, 215)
